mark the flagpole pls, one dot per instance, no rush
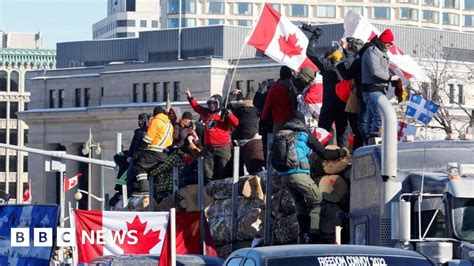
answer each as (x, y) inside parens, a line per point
(62, 209)
(173, 236)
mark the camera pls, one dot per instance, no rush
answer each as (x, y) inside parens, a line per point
(313, 29)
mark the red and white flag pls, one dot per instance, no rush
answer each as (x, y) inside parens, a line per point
(405, 129)
(100, 233)
(357, 26)
(280, 39)
(322, 135)
(27, 193)
(71, 182)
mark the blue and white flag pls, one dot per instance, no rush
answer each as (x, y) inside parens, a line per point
(421, 109)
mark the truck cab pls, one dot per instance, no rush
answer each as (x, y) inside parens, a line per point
(428, 206)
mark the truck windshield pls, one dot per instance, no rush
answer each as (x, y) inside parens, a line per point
(463, 215)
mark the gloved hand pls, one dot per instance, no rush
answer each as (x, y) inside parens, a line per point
(403, 96)
(225, 114)
(336, 56)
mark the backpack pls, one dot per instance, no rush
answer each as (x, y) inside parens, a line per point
(283, 151)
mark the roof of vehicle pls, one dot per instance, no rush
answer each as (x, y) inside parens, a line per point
(300, 250)
(189, 259)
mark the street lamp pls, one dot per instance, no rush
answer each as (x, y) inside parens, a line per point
(87, 149)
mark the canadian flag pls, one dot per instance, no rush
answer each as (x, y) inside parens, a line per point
(71, 182)
(100, 233)
(405, 129)
(280, 39)
(357, 26)
(27, 194)
(322, 135)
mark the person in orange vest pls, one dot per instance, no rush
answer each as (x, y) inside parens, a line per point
(159, 136)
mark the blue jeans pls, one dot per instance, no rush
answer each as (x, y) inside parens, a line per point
(371, 121)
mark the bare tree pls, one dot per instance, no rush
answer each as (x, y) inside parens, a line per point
(441, 65)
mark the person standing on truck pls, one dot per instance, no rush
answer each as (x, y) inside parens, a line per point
(290, 157)
(218, 122)
(376, 76)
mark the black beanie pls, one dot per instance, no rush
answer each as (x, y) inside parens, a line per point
(285, 73)
(187, 115)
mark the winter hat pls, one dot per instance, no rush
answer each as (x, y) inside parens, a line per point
(285, 73)
(158, 110)
(387, 37)
(308, 74)
(187, 115)
(216, 98)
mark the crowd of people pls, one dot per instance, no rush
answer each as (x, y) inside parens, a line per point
(354, 76)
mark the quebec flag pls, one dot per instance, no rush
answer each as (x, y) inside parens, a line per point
(421, 109)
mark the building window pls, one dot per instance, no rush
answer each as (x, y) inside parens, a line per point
(143, 23)
(450, 4)
(124, 34)
(125, 23)
(60, 98)
(3, 161)
(215, 21)
(468, 4)
(3, 80)
(3, 110)
(468, 20)
(13, 110)
(243, 22)
(277, 7)
(25, 136)
(77, 98)
(101, 91)
(409, 1)
(52, 99)
(176, 91)
(451, 93)
(430, 16)
(250, 86)
(25, 165)
(356, 9)
(14, 80)
(187, 6)
(242, 8)
(299, 10)
(460, 94)
(165, 91)
(450, 19)
(156, 91)
(146, 88)
(12, 161)
(154, 24)
(185, 22)
(381, 13)
(3, 135)
(239, 85)
(326, 12)
(215, 6)
(429, 2)
(135, 93)
(131, 5)
(13, 136)
(87, 96)
(408, 14)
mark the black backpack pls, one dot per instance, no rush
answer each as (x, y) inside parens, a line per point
(283, 156)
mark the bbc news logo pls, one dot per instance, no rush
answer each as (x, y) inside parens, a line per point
(65, 237)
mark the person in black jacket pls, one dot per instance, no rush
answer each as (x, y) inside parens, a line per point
(332, 109)
(350, 68)
(138, 135)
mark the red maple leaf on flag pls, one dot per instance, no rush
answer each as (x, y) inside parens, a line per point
(145, 241)
(289, 46)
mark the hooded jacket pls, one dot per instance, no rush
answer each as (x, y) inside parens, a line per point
(159, 134)
(277, 105)
(329, 73)
(305, 144)
(138, 135)
(216, 131)
(248, 120)
(375, 68)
